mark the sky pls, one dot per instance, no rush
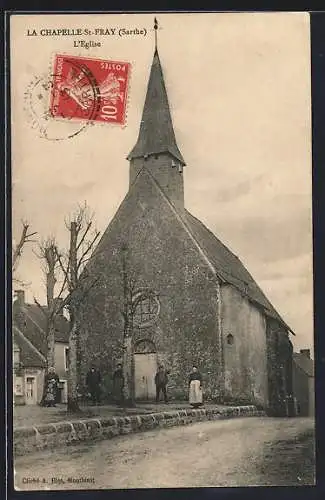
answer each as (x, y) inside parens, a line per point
(239, 92)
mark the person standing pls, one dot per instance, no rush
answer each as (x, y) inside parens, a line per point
(195, 388)
(161, 381)
(93, 381)
(51, 383)
(118, 385)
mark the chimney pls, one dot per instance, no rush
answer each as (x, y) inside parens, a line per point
(20, 297)
(305, 352)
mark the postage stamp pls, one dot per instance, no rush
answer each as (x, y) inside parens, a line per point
(89, 89)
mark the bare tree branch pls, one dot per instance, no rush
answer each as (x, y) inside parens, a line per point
(64, 283)
(24, 238)
(88, 249)
(41, 307)
(64, 269)
(67, 223)
(84, 235)
(86, 259)
(81, 216)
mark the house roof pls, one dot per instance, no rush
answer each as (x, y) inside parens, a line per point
(229, 267)
(304, 363)
(29, 355)
(156, 134)
(32, 323)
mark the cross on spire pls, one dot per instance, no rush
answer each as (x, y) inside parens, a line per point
(155, 27)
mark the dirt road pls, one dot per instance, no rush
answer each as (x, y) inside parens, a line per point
(235, 452)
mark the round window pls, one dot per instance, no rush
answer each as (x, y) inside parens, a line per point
(146, 311)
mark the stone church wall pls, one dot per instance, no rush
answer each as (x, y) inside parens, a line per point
(167, 176)
(279, 360)
(162, 257)
(244, 336)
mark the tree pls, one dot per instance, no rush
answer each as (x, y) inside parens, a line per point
(127, 344)
(82, 238)
(17, 249)
(48, 253)
(133, 294)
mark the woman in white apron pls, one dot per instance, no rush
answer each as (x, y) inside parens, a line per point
(195, 389)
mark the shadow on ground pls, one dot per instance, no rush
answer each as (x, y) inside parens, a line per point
(290, 462)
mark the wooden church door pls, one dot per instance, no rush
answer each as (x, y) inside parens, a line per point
(145, 368)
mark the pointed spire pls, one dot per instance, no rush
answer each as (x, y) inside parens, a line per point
(156, 133)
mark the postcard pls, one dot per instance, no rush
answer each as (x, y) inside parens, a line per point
(162, 303)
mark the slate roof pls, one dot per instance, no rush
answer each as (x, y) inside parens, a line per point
(29, 355)
(304, 363)
(229, 267)
(156, 133)
(32, 323)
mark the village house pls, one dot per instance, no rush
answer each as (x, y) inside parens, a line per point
(195, 301)
(304, 383)
(28, 370)
(30, 349)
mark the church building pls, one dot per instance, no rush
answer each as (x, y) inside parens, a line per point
(186, 298)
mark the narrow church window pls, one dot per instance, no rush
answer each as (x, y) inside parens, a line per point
(230, 339)
(66, 358)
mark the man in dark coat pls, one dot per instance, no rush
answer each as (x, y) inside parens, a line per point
(93, 381)
(118, 385)
(51, 383)
(161, 380)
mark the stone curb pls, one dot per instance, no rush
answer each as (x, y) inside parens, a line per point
(31, 439)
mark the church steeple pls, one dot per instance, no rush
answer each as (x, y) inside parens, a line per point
(156, 133)
(156, 148)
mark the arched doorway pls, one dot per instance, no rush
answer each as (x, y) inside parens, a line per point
(145, 368)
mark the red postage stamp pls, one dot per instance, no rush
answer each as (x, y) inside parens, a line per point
(89, 89)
